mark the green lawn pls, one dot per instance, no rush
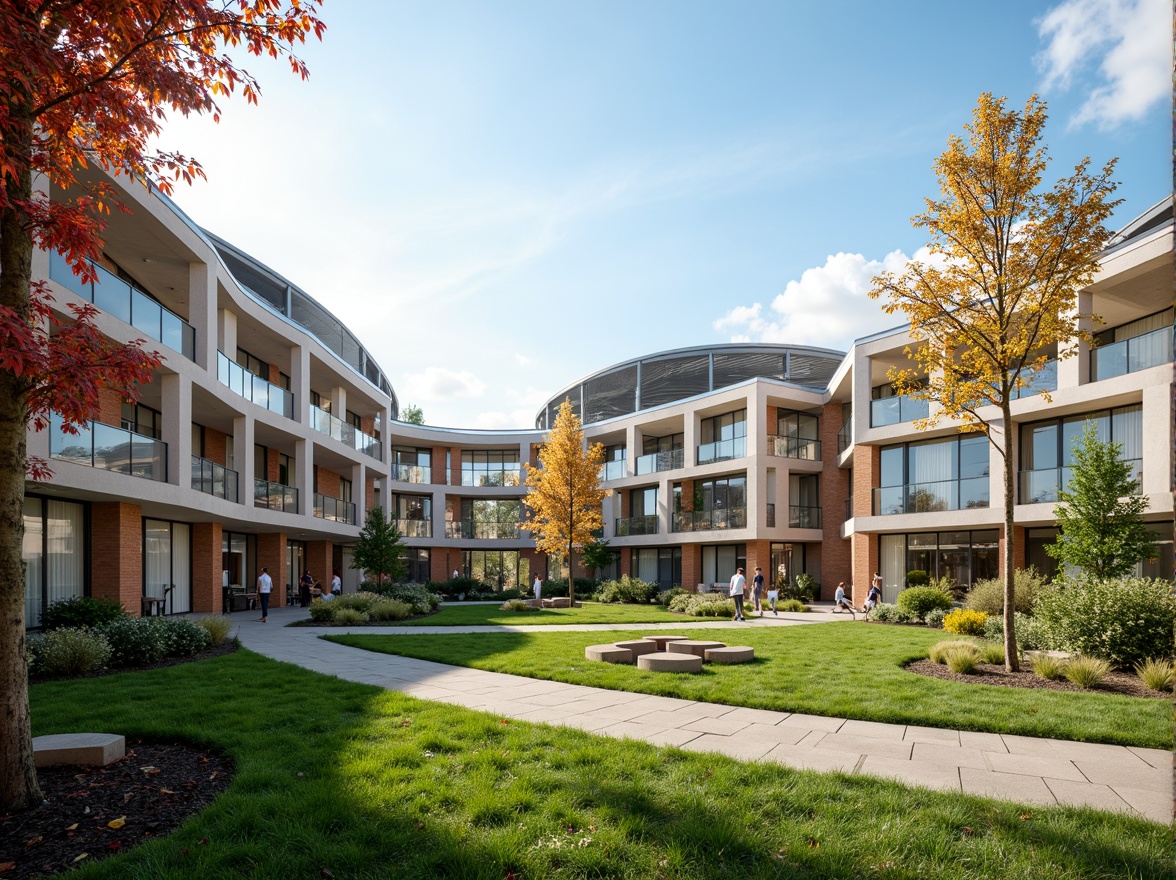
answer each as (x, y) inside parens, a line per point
(842, 670)
(348, 779)
(592, 612)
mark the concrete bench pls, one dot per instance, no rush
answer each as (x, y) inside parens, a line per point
(663, 661)
(692, 646)
(662, 641)
(730, 654)
(92, 749)
(640, 646)
(608, 654)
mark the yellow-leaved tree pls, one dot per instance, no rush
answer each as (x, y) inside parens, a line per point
(1001, 299)
(564, 492)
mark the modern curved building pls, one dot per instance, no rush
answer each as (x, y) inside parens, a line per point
(269, 431)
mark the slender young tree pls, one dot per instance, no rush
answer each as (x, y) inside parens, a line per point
(1100, 512)
(378, 550)
(1002, 294)
(81, 82)
(595, 555)
(564, 491)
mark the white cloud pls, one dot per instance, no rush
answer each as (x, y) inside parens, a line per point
(438, 383)
(827, 307)
(1133, 39)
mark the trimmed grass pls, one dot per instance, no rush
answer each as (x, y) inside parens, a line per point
(346, 778)
(846, 671)
(592, 612)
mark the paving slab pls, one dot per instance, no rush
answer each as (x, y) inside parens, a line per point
(866, 745)
(956, 756)
(1158, 758)
(874, 729)
(917, 734)
(813, 722)
(1030, 765)
(732, 747)
(1006, 786)
(1155, 805)
(1101, 797)
(756, 716)
(1117, 771)
(723, 726)
(813, 759)
(939, 777)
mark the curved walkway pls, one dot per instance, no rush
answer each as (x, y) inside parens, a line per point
(1017, 768)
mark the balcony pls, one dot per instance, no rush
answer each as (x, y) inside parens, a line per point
(801, 517)
(1131, 355)
(794, 447)
(896, 410)
(845, 436)
(275, 496)
(722, 450)
(612, 470)
(115, 297)
(709, 520)
(110, 449)
(262, 392)
(334, 509)
(627, 526)
(652, 463)
(1042, 486)
(214, 479)
(1045, 379)
(415, 528)
(932, 497)
(482, 531)
(508, 477)
(412, 473)
(348, 435)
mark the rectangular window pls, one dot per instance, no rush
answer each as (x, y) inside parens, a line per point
(285, 469)
(142, 420)
(933, 475)
(344, 489)
(490, 467)
(1047, 449)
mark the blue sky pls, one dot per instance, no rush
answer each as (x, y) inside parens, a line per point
(501, 197)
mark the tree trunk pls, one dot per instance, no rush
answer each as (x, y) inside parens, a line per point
(1012, 659)
(18, 773)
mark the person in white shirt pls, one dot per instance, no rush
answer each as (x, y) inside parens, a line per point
(738, 582)
(538, 587)
(264, 585)
(336, 583)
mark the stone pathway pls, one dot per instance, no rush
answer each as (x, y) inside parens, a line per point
(1017, 768)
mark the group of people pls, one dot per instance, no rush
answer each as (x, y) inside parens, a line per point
(840, 602)
(308, 588)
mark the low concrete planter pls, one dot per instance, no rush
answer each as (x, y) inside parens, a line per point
(730, 654)
(93, 749)
(639, 646)
(662, 641)
(663, 661)
(693, 646)
(608, 654)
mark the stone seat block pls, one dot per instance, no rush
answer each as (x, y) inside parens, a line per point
(693, 646)
(608, 654)
(664, 661)
(560, 602)
(663, 640)
(93, 749)
(640, 646)
(730, 654)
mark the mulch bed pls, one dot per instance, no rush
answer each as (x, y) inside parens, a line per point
(987, 673)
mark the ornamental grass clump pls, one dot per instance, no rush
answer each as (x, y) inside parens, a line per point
(218, 627)
(962, 660)
(516, 605)
(323, 612)
(1049, 667)
(1158, 674)
(350, 617)
(390, 609)
(965, 622)
(786, 605)
(988, 595)
(1087, 672)
(937, 653)
(72, 651)
(992, 653)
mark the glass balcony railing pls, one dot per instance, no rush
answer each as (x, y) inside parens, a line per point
(507, 477)
(347, 434)
(802, 517)
(482, 530)
(627, 526)
(932, 497)
(722, 450)
(214, 479)
(708, 520)
(110, 449)
(412, 473)
(612, 470)
(115, 297)
(334, 509)
(262, 392)
(415, 528)
(794, 447)
(1131, 355)
(653, 462)
(275, 496)
(1045, 379)
(896, 410)
(845, 436)
(1041, 486)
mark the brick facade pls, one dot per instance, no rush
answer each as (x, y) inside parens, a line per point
(207, 565)
(836, 552)
(116, 557)
(319, 559)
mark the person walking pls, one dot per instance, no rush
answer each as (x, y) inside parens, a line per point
(840, 602)
(738, 584)
(757, 590)
(875, 595)
(336, 583)
(538, 588)
(304, 585)
(264, 585)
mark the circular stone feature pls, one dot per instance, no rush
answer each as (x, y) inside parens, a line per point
(693, 646)
(663, 661)
(608, 654)
(731, 654)
(639, 646)
(663, 640)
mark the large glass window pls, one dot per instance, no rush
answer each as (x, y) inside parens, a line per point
(490, 467)
(723, 437)
(719, 562)
(1047, 449)
(963, 556)
(416, 560)
(497, 569)
(490, 517)
(933, 475)
(1158, 566)
(797, 435)
(54, 553)
(659, 565)
(413, 515)
(411, 465)
(167, 564)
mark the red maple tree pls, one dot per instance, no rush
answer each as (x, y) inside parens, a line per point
(81, 82)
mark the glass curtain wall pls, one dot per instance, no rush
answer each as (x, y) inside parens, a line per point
(719, 562)
(167, 564)
(658, 565)
(33, 556)
(963, 556)
(497, 569)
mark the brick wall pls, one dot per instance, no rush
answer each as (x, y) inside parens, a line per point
(1019, 548)
(109, 407)
(866, 465)
(207, 564)
(836, 552)
(319, 555)
(327, 481)
(271, 554)
(691, 566)
(215, 445)
(116, 567)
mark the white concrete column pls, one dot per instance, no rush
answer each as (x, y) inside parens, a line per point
(300, 382)
(177, 427)
(861, 395)
(243, 458)
(359, 493)
(1157, 443)
(304, 475)
(226, 334)
(339, 403)
(690, 432)
(202, 313)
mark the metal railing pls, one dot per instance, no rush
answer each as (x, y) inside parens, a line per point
(345, 433)
(613, 470)
(261, 391)
(932, 497)
(412, 473)
(722, 450)
(118, 298)
(896, 410)
(784, 446)
(109, 449)
(484, 531)
(1131, 355)
(1040, 486)
(803, 517)
(653, 462)
(275, 496)
(214, 479)
(707, 520)
(334, 509)
(415, 528)
(845, 436)
(626, 526)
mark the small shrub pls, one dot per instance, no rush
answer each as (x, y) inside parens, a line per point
(1028, 586)
(390, 609)
(361, 601)
(917, 578)
(629, 590)
(516, 605)
(134, 642)
(962, 660)
(558, 587)
(34, 645)
(181, 637)
(991, 652)
(218, 627)
(421, 600)
(73, 651)
(917, 601)
(1156, 673)
(937, 652)
(887, 613)
(786, 605)
(1030, 635)
(805, 588)
(964, 622)
(704, 605)
(81, 611)
(665, 597)
(934, 618)
(324, 612)
(1048, 667)
(349, 616)
(1087, 672)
